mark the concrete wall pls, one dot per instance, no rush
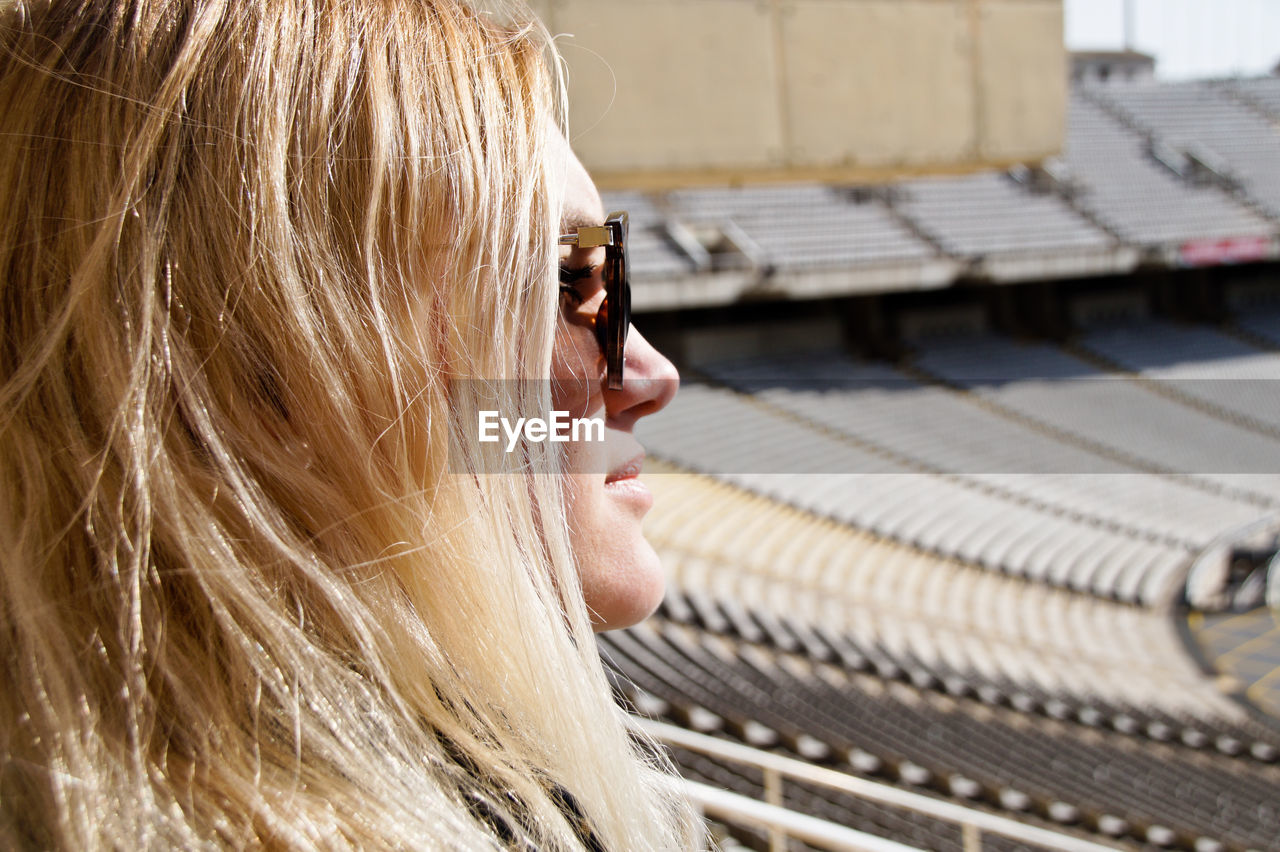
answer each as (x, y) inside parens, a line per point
(674, 92)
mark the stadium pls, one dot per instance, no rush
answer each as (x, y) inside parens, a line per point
(970, 500)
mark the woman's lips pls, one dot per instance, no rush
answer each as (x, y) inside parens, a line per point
(630, 492)
(623, 483)
(628, 471)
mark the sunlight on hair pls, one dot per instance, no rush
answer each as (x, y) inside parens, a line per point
(258, 243)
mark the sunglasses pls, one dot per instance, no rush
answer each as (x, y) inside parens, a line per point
(613, 320)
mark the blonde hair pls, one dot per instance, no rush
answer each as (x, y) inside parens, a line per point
(253, 255)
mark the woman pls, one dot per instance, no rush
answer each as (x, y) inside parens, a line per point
(264, 261)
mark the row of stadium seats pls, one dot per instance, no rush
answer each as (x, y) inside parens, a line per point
(1148, 710)
(947, 515)
(768, 573)
(1157, 793)
(987, 450)
(765, 573)
(790, 226)
(1041, 384)
(1235, 381)
(941, 430)
(1200, 116)
(1263, 93)
(1116, 180)
(989, 214)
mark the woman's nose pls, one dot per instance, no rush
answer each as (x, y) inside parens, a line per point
(649, 382)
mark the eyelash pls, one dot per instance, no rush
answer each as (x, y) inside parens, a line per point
(570, 277)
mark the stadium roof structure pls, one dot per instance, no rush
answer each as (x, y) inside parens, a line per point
(1152, 175)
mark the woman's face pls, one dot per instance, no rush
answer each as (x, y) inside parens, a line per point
(622, 579)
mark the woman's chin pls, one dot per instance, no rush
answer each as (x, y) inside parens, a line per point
(626, 594)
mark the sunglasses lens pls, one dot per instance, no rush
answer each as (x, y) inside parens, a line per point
(603, 331)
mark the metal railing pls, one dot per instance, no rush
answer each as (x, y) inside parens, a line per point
(783, 823)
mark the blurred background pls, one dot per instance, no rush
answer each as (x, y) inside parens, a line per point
(970, 500)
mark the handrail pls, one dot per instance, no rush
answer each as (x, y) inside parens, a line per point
(1202, 586)
(735, 807)
(866, 789)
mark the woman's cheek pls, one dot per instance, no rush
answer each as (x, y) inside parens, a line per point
(575, 369)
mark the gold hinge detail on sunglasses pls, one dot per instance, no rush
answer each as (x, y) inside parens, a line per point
(589, 237)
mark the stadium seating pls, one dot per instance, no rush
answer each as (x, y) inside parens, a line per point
(963, 572)
(1203, 120)
(942, 430)
(872, 602)
(1158, 793)
(1231, 378)
(988, 213)
(1074, 530)
(797, 227)
(830, 629)
(1118, 180)
(1045, 385)
(1262, 93)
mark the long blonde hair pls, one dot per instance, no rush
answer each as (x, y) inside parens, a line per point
(254, 254)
